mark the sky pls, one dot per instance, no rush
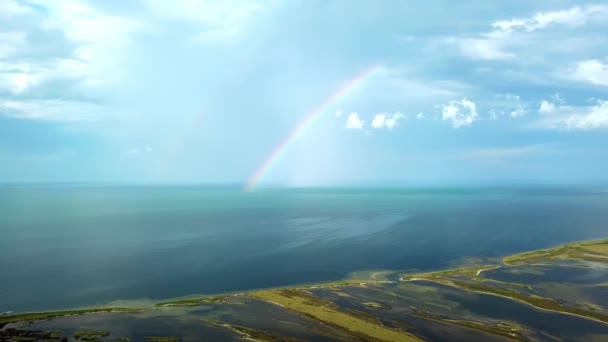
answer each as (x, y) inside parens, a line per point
(187, 91)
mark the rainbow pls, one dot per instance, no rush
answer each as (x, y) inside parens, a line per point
(336, 96)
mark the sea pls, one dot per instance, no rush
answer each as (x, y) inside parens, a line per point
(69, 246)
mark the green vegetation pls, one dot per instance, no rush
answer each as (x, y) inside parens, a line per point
(473, 272)
(254, 334)
(596, 250)
(590, 306)
(162, 339)
(195, 301)
(40, 316)
(16, 335)
(90, 335)
(326, 312)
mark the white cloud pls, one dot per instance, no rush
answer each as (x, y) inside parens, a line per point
(508, 104)
(557, 97)
(593, 71)
(459, 113)
(518, 112)
(483, 48)
(378, 121)
(354, 122)
(564, 117)
(11, 43)
(391, 122)
(21, 82)
(18, 77)
(52, 110)
(81, 48)
(594, 117)
(546, 107)
(11, 8)
(382, 120)
(574, 16)
(401, 82)
(513, 33)
(338, 113)
(419, 116)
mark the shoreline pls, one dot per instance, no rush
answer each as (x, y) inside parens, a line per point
(190, 300)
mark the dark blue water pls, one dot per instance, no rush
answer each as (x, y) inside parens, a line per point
(79, 246)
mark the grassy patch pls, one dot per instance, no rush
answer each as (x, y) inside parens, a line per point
(162, 339)
(326, 312)
(90, 335)
(596, 250)
(195, 301)
(16, 335)
(39, 316)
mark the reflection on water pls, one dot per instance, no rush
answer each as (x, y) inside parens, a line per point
(95, 245)
(557, 324)
(137, 327)
(190, 324)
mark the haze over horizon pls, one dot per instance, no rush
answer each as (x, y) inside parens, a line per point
(203, 92)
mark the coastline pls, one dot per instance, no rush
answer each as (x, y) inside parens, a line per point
(295, 298)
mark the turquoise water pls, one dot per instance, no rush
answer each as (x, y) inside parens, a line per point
(69, 246)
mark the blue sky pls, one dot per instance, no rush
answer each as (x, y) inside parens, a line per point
(201, 91)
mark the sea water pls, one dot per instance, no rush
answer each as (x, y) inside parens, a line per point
(65, 246)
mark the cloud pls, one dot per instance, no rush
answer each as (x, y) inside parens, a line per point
(546, 107)
(382, 120)
(508, 104)
(564, 117)
(592, 118)
(459, 113)
(60, 53)
(593, 71)
(513, 33)
(571, 17)
(11, 43)
(354, 122)
(420, 116)
(52, 110)
(392, 121)
(11, 8)
(66, 39)
(483, 48)
(501, 156)
(378, 121)
(518, 112)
